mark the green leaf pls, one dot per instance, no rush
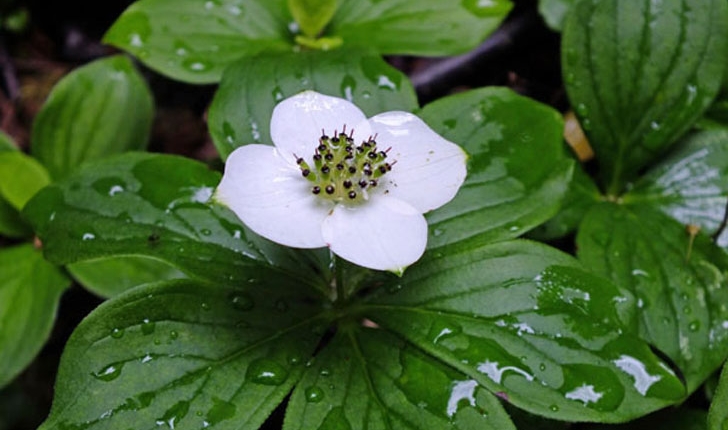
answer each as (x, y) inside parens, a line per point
(406, 26)
(582, 194)
(639, 73)
(29, 292)
(691, 184)
(369, 379)
(194, 41)
(680, 284)
(517, 171)
(527, 323)
(20, 178)
(186, 354)
(112, 276)
(158, 206)
(718, 415)
(312, 15)
(241, 110)
(554, 12)
(6, 143)
(100, 109)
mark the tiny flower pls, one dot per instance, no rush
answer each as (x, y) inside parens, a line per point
(335, 178)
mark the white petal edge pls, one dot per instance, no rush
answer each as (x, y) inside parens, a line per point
(269, 196)
(429, 169)
(383, 234)
(297, 121)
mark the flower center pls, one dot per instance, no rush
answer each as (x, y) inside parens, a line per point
(343, 171)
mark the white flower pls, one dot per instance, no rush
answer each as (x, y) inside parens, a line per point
(336, 179)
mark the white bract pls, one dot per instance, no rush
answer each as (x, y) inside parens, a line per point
(335, 178)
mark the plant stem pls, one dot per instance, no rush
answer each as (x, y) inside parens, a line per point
(338, 293)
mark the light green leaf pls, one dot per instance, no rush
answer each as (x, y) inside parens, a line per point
(158, 206)
(639, 73)
(112, 276)
(98, 110)
(517, 171)
(6, 143)
(423, 27)
(680, 285)
(241, 110)
(526, 322)
(186, 355)
(21, 177)
(554, 12)
(691, 184)
(29, 292)
(312, 15)
(194, 41)
(369, 379)
(718, 415)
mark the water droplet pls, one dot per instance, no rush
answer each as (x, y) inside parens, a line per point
(655, 125)
(242, 302)
(586, 124)
(173, 335)
(294, 360)
(394, 288)
(582, 110)
(196, 65)
(148, 326)
(542, 367)
(314, 394)
(694, 325)
(205, 306)
(206, 232)
(554, 408)
(174, 415)
(265, 371)
(348, 85)
(438, 232)
(325, 372)
(220, 411)
(110, 372)
(117, 333)
(277, 94)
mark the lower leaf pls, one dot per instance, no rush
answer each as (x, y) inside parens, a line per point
(368, 379)
(679, 282)
(185, 355)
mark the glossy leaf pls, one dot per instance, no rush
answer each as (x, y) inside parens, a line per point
(98, 110)
(406, 27)
(186, 354)
(369, 379)
(639, 73)
(157, 206)
(30, 289)
(517, 171)
(679, 283)
(241, 110)
(718, 415)
(582, 194)
(554, 12)
(21, 177)
(112, 276)
(526, 322)
(194, 41)
(691, 184)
